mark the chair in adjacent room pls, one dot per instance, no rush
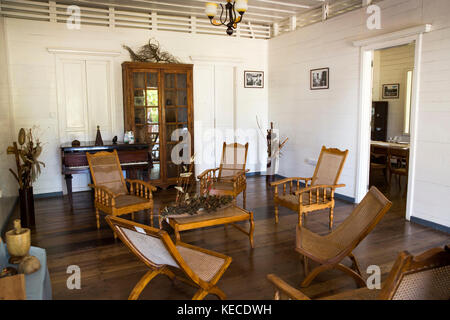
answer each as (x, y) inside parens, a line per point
(398, 162)
(229, 177)
(110, 188)
(196, 266)
(317, 192)
(331, 249)
(422, 277)
(379, 161)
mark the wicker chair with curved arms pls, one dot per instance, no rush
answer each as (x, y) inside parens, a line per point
(318, 191)
(331, 249)
(229, 177)
(196, 266)
(110, 188)
(422, 277)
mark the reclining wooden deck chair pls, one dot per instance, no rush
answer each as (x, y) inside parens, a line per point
(111, 193)
(422, 277)
(229, 178)
(196, 266)
(318, 193)
(331, 249)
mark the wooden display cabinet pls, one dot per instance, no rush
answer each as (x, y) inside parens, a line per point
(158, 99)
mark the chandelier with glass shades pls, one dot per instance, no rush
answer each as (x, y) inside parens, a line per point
(231, 18)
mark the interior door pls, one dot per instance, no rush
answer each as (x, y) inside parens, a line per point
(84, 102)
(224, 108)
(214, 100)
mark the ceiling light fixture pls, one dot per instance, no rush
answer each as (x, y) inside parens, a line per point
(231, 19)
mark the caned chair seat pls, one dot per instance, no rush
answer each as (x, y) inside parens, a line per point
(193, 265)
(129, 200)
(331, 249)
(112, 195)
(324, 181)
(320, 247)
(293, 199)
(204, 265)
(229, 177)
(222, 185)
(422, 277)
(431, 284)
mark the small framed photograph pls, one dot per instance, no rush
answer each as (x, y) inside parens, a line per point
(253, 79)
(391, 91)
(319, 78)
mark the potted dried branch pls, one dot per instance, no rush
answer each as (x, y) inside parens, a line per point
(274, 146)
(28, 170)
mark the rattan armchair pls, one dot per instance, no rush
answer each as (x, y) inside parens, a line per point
(229, 177)
(196, 266)
(422, 277)
(331, 249)
(317, 192)
(110, 188)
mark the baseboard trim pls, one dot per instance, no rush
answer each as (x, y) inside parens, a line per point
(430, 224)
(256, 173)
(48, 195)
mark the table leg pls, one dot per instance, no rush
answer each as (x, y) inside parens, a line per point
(68, 178)
(252, 229)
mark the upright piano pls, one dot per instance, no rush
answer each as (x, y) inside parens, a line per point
(133, 158)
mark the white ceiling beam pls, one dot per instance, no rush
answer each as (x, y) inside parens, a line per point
(280, 3)
(200, 9)
(254, 7)
(181, 12)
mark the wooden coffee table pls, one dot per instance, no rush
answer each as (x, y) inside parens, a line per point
(229, 215)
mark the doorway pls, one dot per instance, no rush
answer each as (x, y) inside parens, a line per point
(392, 70)
(367, 48)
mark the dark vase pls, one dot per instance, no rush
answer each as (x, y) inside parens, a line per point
(27, 207)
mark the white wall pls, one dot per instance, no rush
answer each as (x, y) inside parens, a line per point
(329, 117)
(390, 66)
(34, 85)
(8, 184)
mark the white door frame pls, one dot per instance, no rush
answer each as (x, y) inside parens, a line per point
(367, 47)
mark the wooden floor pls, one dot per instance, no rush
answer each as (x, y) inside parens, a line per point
(109, 270)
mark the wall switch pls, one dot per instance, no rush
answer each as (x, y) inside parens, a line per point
(311, 161)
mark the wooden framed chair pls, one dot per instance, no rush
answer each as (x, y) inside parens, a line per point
(331, 249)
(229, 177)
(110, 188)
(422, 277)
(379, 161)
(196, 266)
(318, 191)
(398, 163)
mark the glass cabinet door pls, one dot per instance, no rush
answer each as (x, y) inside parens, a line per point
(147, 116)
(176, 115)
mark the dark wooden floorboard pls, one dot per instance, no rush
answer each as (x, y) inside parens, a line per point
(109, 270)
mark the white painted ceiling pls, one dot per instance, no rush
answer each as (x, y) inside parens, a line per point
(259, 11)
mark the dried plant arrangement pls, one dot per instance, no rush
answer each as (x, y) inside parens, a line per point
(198, 204)
(273, 154)
(187, 204)
(151, 52)
(27, 154)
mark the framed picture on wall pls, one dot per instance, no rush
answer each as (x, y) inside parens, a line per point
(391, 91)
(253, 79)
(319, 78)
